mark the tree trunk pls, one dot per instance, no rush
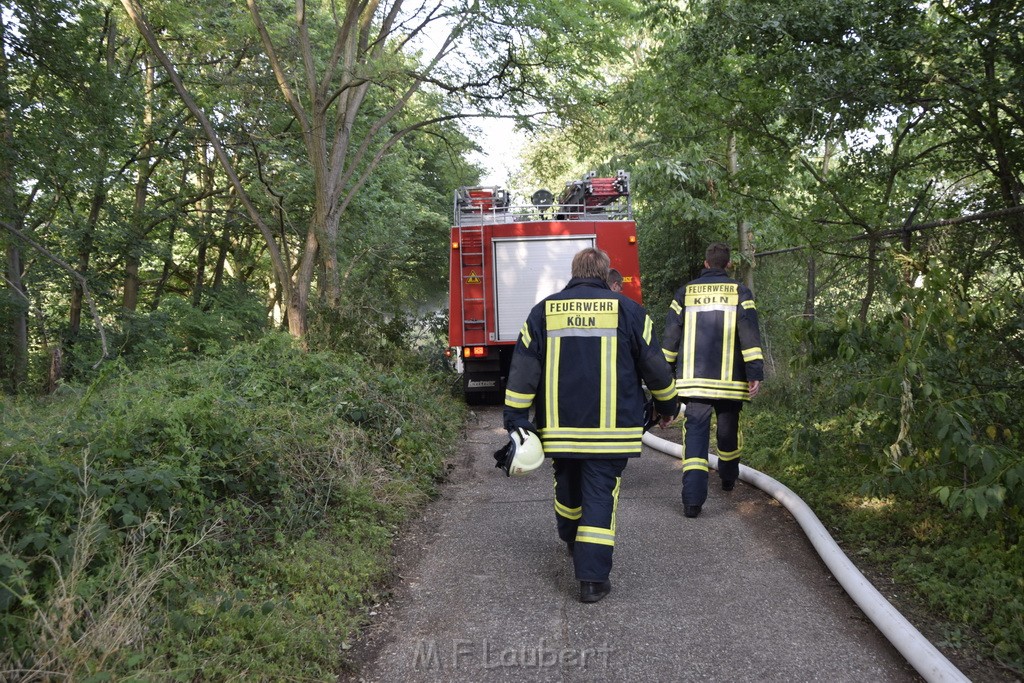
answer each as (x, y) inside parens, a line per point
(97, 200)
(745, 236)
(132, 263)
(205, 229)
(811, 292)
(1006, 173)
(158, 292)
(56, 372)
(746, 239)
(85, 246)
(13, 352)
(145, 167)
(869, 293)
(197, 287)
(223, 245)
(297, 321)
(296, 295)
(16, 366)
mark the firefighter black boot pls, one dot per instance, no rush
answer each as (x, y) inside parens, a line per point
(592, 591)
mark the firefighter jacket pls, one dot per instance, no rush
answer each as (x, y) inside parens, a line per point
(578, 362)
(712, 339)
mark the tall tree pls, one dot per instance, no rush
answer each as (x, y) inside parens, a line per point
(972, 58)
(352, 79)
(13, 308)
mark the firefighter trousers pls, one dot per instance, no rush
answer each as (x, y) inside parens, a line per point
(586, 498)
(697, 438)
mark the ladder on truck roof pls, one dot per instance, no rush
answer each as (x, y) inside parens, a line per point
(474, 205)
(591, 194)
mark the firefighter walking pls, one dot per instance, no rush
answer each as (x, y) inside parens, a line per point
(712, 339)
(578, 362)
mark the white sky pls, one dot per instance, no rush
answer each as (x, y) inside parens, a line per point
(502, 148)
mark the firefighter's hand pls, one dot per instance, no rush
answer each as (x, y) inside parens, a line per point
(753, 387)
(513, 425)
(667, 420)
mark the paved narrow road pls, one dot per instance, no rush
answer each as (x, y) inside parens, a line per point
(487, 591)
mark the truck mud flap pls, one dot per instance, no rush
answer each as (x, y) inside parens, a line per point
(482, 383)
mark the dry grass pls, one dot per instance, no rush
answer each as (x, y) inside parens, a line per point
(87, 623)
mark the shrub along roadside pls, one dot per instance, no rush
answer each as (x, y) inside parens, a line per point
(217, 516)
(967, 572)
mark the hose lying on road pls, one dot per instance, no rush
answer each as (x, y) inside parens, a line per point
(920, 653)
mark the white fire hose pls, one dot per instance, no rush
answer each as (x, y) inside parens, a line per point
(921, 654)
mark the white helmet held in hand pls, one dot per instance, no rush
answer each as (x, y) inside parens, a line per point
(522, 454)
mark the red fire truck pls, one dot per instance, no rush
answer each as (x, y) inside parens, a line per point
(505, 258)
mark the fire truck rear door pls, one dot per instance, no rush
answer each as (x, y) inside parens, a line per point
(527, 269)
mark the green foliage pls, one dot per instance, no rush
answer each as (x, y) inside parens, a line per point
(276, 477)
(967, 571)
(929, 401)
(175, 331)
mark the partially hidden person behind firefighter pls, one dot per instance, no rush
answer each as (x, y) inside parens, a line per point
(712, 340)
(578, 363)
(614, 280)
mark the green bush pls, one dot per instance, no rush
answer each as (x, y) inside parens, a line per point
(174, 331)
(967, 571)
(925, 396)
(260, 487)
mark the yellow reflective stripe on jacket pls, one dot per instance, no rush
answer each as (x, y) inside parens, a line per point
(525, 332)
(713, 393)
(749, 304)
(753, 353)
(670, 356)
(568, 512)
(554, 347)
(689, 344)
(592, 433)
(609, 382)
(513, 399)
(728, 344)
(625, 450)
(712, 388)
(676, 307)
(666, 394)
(648, 329)
(622, 441)
(705, 383)
(595, 534)
(695, 464)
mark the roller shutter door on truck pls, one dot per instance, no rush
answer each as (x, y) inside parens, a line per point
(527, 269)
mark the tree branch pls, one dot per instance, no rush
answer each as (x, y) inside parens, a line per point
(893, 232)
(275, 64)
(75, 274)
(337, 183)
(365, 175)
(135, 12)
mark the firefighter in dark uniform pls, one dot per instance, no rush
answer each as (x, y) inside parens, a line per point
(579, 362)
(712, 339)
